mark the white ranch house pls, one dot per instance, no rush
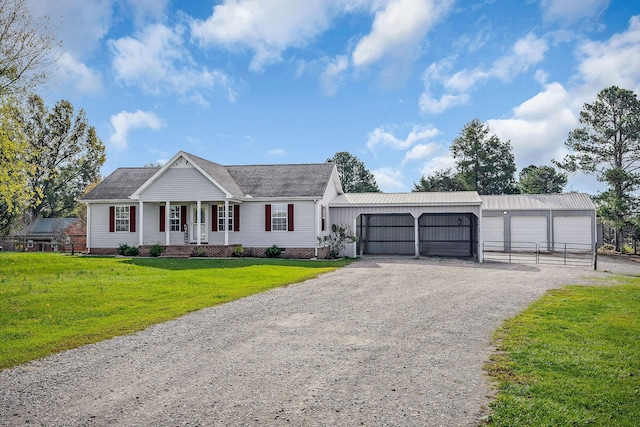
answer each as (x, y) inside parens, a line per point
(192, 203)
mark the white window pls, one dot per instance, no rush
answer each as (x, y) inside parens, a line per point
(174, 217)
(122, 218)
(221, 217)
(279, 217)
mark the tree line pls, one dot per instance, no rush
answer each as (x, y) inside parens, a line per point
(48, 157)
(607, 146)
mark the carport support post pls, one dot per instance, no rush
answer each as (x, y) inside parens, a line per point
(416, 232)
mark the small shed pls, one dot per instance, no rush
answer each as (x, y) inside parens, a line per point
(52, 235)
(538, 222)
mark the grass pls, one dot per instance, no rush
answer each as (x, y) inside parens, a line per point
(50, 303)
(571, 359)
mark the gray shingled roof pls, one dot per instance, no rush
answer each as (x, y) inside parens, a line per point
(564, 201)
(122, 183)
(219, 173)
(301, 180)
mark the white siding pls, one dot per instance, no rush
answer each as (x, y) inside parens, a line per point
(252, 233)
(182, 184)
(100, 235)
(493, 233)
(526, 231)
(575, 231)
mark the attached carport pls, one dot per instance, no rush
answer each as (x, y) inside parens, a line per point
(431, 224)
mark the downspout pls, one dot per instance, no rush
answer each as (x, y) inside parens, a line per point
(315, 219)
(88, 228)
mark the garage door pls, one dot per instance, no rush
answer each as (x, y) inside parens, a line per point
(388, 234)
(527, 232)
(574, 231)
(493, 233)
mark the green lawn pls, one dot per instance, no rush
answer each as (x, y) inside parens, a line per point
(571, 359)
(51, 302)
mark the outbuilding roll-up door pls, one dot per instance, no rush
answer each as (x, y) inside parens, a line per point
(574, 231)
(493, 233)
(527, 232)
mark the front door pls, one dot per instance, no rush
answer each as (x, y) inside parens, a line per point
(194, 224)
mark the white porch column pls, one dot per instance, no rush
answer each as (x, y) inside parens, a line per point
(167, 224)
(141, 226)
(416, 229)
(199, 220)
(226, 222)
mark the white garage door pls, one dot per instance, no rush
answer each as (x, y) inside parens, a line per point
(575, 231)
(527, 232)
(493, 233)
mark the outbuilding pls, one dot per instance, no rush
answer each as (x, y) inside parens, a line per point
(465, 224)
(428, 224)
(538, 222)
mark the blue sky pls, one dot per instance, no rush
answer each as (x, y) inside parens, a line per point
(290, 81)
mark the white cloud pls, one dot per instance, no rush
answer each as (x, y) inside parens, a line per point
(73, 72)
(125, 121)
(147, 10)
(398, 29)
(379, 136)
(388, 179)
(539, 126)
(277, 152)
(612, 62)
(333, 74)
(421, 151)
(157, 61)
(571, 11)
(438, 163)
(428, 104)
(265, 27)
(525, 53)
(80, 25)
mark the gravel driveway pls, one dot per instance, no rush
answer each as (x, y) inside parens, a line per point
(385, 341)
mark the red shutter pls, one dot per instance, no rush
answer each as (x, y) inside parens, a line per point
(112, 219)
(290, 217)
(236, 217)
(163, 218)
(214, 218)
(132, 219)
(267, 217)
(323, 213)
(183, 216)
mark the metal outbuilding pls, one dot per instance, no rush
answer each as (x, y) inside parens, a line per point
(539, 222)
(465, 224)
(431, 224)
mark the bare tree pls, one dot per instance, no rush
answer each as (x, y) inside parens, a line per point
(27, 48)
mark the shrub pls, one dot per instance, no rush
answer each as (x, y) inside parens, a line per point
(156, 250)
(199, 253)
(122, 249)
(238, 251)
(273, 251)
(132, 251)
(339, 237)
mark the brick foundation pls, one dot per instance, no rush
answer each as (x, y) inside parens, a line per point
(221, 251)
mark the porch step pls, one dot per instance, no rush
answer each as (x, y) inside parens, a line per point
(177, 252)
